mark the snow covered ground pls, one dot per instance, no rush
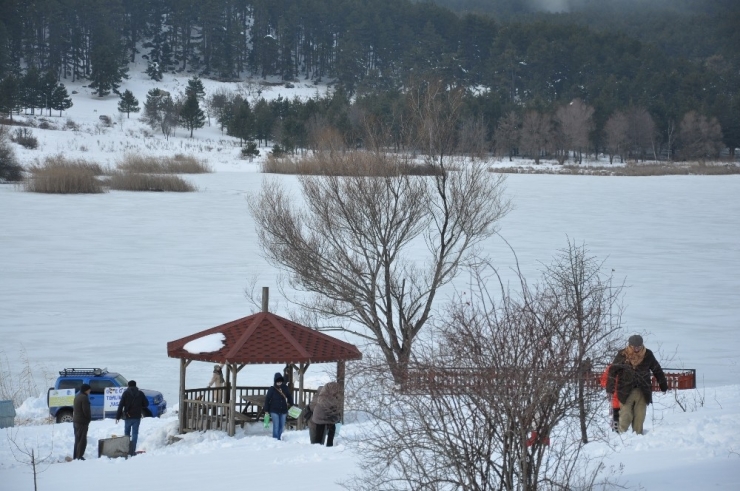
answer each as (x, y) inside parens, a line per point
(106, 280)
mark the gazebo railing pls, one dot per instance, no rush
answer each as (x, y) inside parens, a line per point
(209, 408)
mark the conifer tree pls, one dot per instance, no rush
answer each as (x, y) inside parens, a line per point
(191, 115)
(109, 64)
(128, 103)
(154, 71)
(60, 100)
(10, 93)
(195, 86)
(47, 85)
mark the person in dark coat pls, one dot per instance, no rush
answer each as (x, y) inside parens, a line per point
(131, 409)
(630, 372)
(81, 417)
(326, 413)
(278, 400)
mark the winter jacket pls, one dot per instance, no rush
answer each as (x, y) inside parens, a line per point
(325, 405)
(132, 404)
(626, 377)
(81, 409)
(278, 399)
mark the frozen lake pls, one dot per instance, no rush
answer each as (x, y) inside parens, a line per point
(106, 280)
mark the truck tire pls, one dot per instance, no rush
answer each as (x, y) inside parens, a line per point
(64, 416)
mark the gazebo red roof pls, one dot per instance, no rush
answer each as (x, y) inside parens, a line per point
(267, 338)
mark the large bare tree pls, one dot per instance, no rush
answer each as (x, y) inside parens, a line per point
(574, 122)
(536, 134)
(616, 135)
(701, 137)
(507, 135)
(640, 132)
(372, 252)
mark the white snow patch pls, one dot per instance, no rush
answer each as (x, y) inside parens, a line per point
(206, 344)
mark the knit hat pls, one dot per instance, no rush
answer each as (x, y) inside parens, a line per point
(635, 340)
(279, 377)
(84, 388)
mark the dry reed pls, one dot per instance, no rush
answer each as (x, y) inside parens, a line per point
(124, 181)
(177, 164)
(338, 163)
(59, 175)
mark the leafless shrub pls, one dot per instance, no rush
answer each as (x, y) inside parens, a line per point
(24, 137)
(60, 175)
(493, 402)
(71, 125)
(178, 164)
(124, 181)
(19, 384)
(10, 169)
(28, 454)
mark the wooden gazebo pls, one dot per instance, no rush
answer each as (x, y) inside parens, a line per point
(262, 338)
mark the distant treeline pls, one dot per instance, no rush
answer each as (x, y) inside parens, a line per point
(523, 62)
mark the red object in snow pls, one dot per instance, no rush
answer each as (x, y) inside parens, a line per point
(534, 437)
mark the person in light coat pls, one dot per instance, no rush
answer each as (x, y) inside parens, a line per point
(326, 414)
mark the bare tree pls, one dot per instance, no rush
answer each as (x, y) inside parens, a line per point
(484, 400)
(574, 122)
(435, 111)
(617, 139)
(353, 244)
(507, 135)
(473, 138)
(28, 453)
(536, 134)
(592, 313)
(640, 131)
(701, 138)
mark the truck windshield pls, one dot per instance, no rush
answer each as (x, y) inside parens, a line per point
(122, 382)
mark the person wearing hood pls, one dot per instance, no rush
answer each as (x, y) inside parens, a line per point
(131, 409)
(326, 413)
(630, 372)
(81, 417)
(277, 402)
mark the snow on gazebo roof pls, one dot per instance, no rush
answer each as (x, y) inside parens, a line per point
(262, 338)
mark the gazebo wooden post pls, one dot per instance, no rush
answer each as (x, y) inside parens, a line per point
(232, 402)
(341, 368)
(301, 395)
(183, 409)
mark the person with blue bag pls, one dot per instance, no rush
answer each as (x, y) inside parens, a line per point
(278, 400)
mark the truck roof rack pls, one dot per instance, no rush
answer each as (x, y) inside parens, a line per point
(83, 371)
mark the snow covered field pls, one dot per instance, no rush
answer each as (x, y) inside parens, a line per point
(106, 280)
